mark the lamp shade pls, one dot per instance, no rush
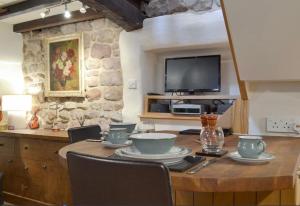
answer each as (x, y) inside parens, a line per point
(16, 103)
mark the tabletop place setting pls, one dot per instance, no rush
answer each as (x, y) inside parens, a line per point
(161, 147)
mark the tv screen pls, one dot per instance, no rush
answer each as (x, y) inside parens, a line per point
(192, 74)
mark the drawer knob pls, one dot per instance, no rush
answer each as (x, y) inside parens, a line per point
(10, 161)
(44, 167)
(2, 145)
(26, 168)
(26, 147)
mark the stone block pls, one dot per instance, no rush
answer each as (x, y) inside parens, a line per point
(68, 28)
(112, 63)
(70, 105)
(93, 63)
(105, 36)
(84, 26)
(93, 94)
(100, 51)
(111, 78)
(92, 73)
(113, 93)
(98, 24)
(92, 82)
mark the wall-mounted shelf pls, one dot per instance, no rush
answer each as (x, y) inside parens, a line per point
(168, 116)
(191, 97)
(147, 115)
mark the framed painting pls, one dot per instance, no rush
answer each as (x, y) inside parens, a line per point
(65, 60)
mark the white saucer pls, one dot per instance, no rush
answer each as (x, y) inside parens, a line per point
(115, 146)
(263, 158)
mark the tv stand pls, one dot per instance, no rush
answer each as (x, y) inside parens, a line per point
(149, 99)
(236, 117)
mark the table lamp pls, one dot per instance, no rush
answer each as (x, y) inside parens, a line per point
(17, 106)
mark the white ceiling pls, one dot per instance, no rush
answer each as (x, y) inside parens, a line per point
(76, 5)
(4, 3)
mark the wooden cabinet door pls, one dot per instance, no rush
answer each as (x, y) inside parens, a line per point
(38, 149)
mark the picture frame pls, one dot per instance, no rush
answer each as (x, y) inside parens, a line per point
(65, 66)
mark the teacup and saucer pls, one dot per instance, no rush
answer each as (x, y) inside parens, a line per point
(251, 149)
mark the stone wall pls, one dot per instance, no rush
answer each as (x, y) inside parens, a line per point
(164, 7)
(103, 75)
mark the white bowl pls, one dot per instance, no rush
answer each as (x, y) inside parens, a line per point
(129, 126)
(153, 143)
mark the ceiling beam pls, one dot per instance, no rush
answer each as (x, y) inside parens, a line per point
(2, 10)
(26, 6)
(122, 12)
(56, 20)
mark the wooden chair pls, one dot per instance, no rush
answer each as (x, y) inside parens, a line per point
(77, 134)
(110, 182)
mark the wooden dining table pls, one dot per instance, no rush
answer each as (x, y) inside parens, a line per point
(227, 182)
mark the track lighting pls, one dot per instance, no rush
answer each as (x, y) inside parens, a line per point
(45, 13)
(67, 13)
(83, 9)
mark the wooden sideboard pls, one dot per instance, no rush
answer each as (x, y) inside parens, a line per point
(33, 174)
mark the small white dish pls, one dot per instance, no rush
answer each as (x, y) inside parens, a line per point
(115, 146)
(263, 158)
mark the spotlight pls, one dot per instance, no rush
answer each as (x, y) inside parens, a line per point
(83, 9)
(67, 13)
(45, 13)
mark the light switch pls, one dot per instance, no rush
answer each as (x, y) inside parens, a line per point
(132, 84)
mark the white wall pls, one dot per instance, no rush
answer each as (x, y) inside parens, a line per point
(11, 76)
(184, 34)
(277, 99)
(267, 49)
(10, 43)
(266, 38)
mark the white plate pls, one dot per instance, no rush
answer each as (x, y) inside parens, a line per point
(166, 159)
(263, 158)
(115, 146)
(174, 152)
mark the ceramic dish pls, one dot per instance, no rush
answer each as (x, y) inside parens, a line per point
(170, 158)
(115, 146)
(129, 126)
(263, 158)
(153, 143)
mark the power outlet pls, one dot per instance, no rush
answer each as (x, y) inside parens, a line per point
(276, 124)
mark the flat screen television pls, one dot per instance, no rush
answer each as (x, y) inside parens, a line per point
(193, 74)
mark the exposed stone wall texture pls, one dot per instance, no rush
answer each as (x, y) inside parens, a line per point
(102, 75)
(163, 7)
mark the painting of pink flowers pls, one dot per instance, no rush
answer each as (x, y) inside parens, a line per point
(64, 62)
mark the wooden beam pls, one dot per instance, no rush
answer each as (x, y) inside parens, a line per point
(122, 12)
(2, 10)
(26, 6)
(56, 20)
(242, 84)
(136, 3)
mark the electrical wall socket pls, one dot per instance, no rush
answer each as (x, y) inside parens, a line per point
(281, 124)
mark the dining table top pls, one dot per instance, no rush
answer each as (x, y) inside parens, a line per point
(225, 175)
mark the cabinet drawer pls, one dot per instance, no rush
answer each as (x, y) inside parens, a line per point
(7, 145)
(38, 149)
(37, 179)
